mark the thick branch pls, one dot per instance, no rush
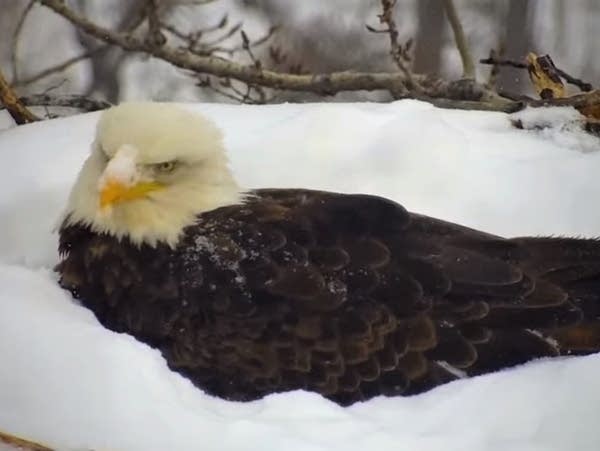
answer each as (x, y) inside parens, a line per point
(324, 84)
(461, 40)
(16, 109)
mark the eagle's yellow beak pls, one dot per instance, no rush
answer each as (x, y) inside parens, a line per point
(114, 191)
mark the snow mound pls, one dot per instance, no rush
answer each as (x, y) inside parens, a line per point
(70, 384)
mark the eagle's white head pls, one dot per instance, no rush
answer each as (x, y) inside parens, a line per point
(153, 168)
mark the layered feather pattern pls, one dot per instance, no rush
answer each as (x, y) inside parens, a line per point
(350, 296)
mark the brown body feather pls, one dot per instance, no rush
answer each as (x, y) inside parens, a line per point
(350, 296)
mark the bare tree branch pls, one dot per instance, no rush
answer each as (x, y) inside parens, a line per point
(461, 40)
(16, 109)
(325, 84)
(465, 93)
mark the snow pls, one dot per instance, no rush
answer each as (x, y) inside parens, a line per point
(68, 383)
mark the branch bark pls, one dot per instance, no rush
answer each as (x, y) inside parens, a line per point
(322, 84)
(325, 84)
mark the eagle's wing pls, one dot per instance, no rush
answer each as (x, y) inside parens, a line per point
(352, 296)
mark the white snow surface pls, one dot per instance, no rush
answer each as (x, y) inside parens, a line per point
(70, 384)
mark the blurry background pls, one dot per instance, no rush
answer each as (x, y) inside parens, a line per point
(312, 36)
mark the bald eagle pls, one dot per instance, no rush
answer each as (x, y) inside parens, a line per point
(247, 293)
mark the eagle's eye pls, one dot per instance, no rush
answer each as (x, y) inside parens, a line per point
(166, 166)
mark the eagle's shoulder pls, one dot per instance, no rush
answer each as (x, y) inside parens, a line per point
(347, 213)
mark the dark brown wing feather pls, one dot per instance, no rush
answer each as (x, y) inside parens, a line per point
(347, 295)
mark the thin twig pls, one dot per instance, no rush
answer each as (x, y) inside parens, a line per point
(460, 39)
(196, 35)
(251, 44)
(582, 85)
(387, 17)
(503, 62)
(10, 100)
(62, 66)
(54, 86)
(246, 96)
(14, 58)
(205, 82)
(398, 53)
(209, 48)
(233, 30)
(246, 46)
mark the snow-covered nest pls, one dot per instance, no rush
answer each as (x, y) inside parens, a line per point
(68, 383)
